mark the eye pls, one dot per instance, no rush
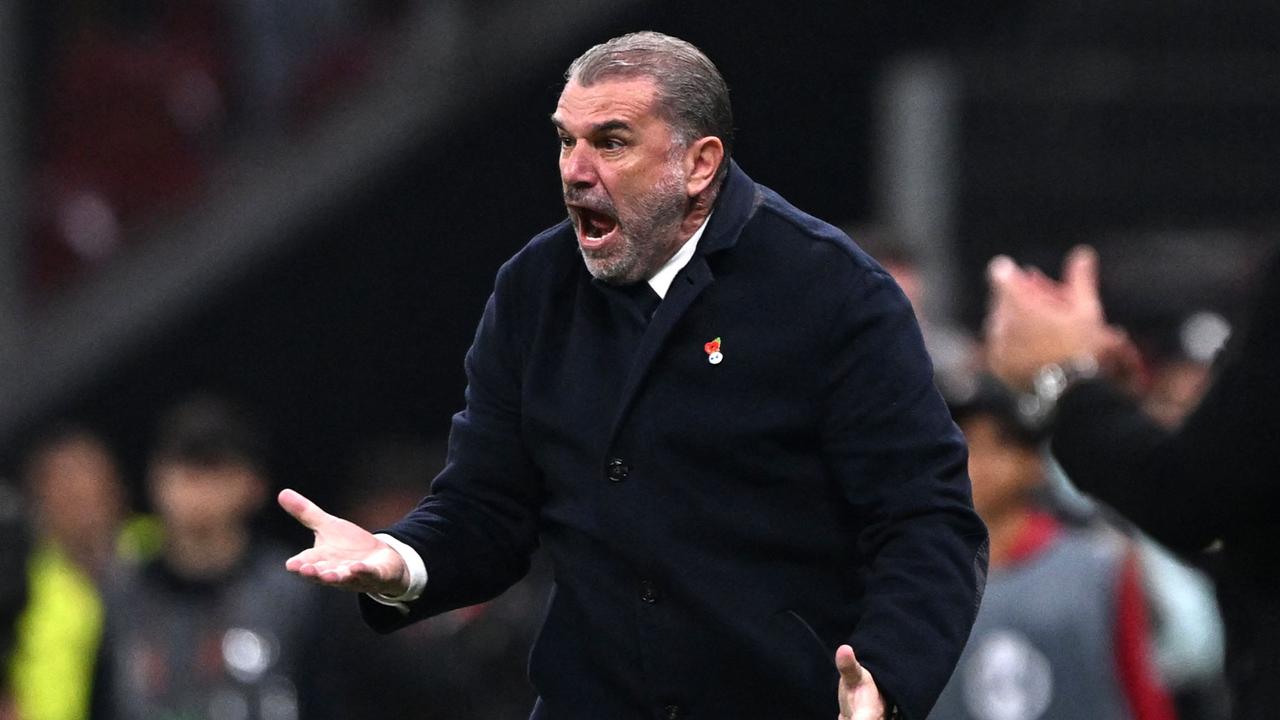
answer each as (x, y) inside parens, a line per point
(612, 143)
(566, 141)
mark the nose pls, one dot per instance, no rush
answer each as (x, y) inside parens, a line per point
(577, 166)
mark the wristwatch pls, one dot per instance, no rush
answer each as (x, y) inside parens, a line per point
(1049, 383)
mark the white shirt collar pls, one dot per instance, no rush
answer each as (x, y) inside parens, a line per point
(661, 280)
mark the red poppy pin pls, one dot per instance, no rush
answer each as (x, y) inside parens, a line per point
(714, 356)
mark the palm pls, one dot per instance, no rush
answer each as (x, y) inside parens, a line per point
(344, 555)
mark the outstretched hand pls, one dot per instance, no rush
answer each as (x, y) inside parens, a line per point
(859, 696)
(344, 555)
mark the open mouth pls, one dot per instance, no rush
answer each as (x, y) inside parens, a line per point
(594, 227)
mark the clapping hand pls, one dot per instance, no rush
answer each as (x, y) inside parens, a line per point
(1034, 320)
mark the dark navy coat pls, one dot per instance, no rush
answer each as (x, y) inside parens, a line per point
(716, 529)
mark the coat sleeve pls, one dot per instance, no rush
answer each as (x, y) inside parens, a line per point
(902, 464)
(478, 527)
(1218, 470)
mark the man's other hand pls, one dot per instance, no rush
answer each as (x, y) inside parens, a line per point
(345, 555)
(859, 697)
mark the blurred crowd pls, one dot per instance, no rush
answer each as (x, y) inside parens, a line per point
(134, 104)
(186, 612)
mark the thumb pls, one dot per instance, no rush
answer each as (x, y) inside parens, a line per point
(851, 671)
(302, 509)
(1080, 272)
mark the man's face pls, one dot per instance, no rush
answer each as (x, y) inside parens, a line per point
(79, 493)
(1003, 472)
(196, 498)
(623, 176)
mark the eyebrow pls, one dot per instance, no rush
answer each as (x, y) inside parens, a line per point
(598, 128)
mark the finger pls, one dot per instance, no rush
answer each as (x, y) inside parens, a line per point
(847, 663)
(1001, 271)
(344, 576)
(310, 556)
(295, 563)
(302, 509)
(325, 572)
(1080, 272)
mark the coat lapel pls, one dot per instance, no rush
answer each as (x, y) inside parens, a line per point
(735, 206)
(688, 285)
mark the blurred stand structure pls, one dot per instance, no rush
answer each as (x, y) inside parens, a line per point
(1088, 121)
(168, 217)
(15, 546)
(12, 241)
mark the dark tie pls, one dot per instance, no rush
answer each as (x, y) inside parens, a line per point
(641, 298)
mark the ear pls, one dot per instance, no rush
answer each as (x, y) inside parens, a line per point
(701, 161)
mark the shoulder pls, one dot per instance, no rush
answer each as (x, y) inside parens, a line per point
(1099, 547)
(811, 243)
(793, 247)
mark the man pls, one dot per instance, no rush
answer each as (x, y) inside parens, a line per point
(77, 498)
(209, 628)
(1063, 628)
(717, 415)
(1211, 482)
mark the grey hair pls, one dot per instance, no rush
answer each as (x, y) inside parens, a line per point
(691, 94)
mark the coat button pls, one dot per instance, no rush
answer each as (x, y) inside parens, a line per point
(672, 712)
(648, 592)
(617, 470)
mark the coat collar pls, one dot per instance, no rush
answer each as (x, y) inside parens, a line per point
(739, 197)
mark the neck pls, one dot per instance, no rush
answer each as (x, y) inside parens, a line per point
(1006, 529)
(207, 553)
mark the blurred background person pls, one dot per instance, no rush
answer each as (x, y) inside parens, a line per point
(1189, 636)
(210, 629)
(467, 664)
(1063, 627)
(77, 497)
(1185, 627)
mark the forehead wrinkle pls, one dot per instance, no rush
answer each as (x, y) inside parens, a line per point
(613, 97)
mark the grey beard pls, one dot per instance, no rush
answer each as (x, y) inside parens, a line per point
(647, 240)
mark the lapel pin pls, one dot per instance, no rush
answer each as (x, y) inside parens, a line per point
(714, 356)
